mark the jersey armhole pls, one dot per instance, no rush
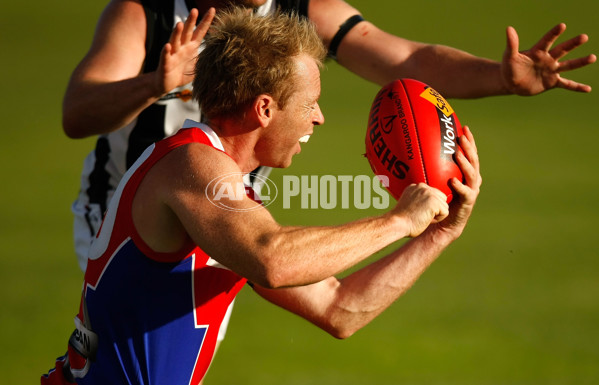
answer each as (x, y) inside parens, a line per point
(183, 137)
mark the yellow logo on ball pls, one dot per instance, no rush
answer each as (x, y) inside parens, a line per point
(435, 98)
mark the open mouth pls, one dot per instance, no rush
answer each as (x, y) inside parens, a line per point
(304, 139)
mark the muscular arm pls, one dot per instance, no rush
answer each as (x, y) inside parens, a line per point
(381, 57)
(169, 206)
(341, 307)
(107, 89)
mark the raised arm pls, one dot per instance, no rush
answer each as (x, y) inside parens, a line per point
(343, 306)
(381, 57)
(107, 90)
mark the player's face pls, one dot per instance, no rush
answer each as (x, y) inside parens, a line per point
(294, 124)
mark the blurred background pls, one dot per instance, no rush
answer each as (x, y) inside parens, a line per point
(514, 301)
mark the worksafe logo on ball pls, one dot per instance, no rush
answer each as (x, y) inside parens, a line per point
(300, 192)
(227, 191)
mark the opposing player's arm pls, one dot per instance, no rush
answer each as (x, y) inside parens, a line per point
(246, 238)
(107, 89)
(381, 57)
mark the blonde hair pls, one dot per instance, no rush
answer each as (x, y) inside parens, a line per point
(247, 55)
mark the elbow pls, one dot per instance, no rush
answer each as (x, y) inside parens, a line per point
(266, 273)
(274, 278)
(263, 281)
(341, 333)
(78, 120)
(340, 323)
(70, 126)
(272, 271)
(279, 275)
(71, 132)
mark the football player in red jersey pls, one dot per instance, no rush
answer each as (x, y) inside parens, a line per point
(168, 261)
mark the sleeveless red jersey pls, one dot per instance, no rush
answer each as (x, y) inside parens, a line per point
(147, 317)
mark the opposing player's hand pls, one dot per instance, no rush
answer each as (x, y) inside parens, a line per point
(178, 55)
(465, 193)
(420, 205)
(539, 68)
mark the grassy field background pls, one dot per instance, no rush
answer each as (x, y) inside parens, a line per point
(514, 301)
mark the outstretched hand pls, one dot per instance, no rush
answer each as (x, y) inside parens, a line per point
(178, 55)
(539, 68)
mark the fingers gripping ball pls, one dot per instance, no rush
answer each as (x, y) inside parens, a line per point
(412, 137)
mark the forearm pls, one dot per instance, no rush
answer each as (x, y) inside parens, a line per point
(454, 73)
(365, 294)
(381, 57)
(304, 255)
(342, 307)
(93, 108)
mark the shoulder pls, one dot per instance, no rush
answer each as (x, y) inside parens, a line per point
(118, 46)
(328, 15)
(121, 22)
(192, 166)
(123, 11)
(172, 193)
(176, 183)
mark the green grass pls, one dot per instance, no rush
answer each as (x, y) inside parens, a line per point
(514, 301)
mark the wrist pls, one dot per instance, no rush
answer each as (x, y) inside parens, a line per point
(156, 84)
(503, 83)
(399, 224)
(442, 235)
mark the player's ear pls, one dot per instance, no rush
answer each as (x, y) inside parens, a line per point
(264, 108)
